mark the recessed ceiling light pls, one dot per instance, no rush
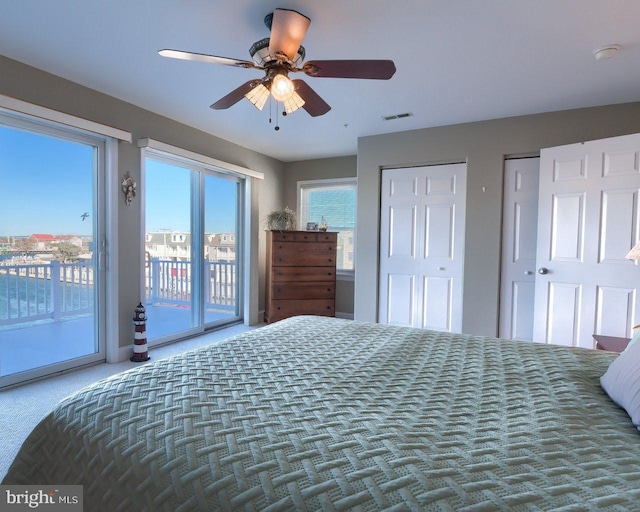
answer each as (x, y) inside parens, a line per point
(606, 52)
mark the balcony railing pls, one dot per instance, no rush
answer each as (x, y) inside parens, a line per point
(40, 291)
(169, 282)
(30, 292)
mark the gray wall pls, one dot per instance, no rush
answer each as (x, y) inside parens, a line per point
(29, 84)
(342, 167)
(483, 145)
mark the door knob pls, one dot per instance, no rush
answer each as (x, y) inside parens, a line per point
(543, 270)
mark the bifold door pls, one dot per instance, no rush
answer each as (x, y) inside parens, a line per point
(422, 246)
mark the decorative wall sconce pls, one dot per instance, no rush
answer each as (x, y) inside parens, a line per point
(128, 188)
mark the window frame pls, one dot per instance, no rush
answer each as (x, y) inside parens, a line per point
(302, 185)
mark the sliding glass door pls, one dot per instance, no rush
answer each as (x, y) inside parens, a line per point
(51, 220)
(168, 250)
(220, 248)
(191, 250)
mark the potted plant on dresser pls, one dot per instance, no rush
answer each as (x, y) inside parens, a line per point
(281, 220)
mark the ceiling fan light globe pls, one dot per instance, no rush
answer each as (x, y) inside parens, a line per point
(258, 96)
(293, 103)
(282, 88)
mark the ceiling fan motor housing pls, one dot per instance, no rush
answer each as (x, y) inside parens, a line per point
(259, 52)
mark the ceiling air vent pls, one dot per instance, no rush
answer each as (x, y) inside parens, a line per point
(397, 116)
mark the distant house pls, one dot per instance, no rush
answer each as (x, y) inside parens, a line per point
(41, 242)
(220, 247)
(176, 246)
(71, 239)
(6, 242)
(168, 245)
(46, 242)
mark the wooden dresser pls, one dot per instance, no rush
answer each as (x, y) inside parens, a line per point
(301, 274)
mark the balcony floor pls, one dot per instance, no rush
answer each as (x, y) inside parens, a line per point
(37, 344)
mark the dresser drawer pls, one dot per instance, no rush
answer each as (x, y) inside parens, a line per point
(280, 309)
(303, 254)
(304, 236)
(307, 274)
(303, 291)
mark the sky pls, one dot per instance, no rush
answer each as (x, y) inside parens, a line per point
(168, 200)
(46, 185)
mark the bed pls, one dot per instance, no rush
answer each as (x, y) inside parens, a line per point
(316, 413)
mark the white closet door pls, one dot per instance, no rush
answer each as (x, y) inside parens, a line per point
(422, 246)
(520, 228)
(588, 221)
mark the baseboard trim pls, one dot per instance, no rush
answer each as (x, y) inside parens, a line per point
(124, 353)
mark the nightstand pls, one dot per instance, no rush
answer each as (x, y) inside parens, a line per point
(610, 343)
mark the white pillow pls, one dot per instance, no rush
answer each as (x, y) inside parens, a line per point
(622, 382)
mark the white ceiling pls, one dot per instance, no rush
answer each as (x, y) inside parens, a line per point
(457, 60)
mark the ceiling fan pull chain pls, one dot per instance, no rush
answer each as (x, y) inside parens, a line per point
(271, 113)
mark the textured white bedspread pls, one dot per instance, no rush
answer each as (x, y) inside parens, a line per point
(316, 413)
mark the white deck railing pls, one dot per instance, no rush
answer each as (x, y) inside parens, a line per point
(55, 290)
(37, 291)
(169, 282)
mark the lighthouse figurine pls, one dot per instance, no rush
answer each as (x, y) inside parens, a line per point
(140, 352)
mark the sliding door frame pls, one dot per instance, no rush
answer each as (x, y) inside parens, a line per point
(199, 171)
(250, 273)
(105, 284)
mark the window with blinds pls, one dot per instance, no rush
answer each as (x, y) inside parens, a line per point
(334, 202)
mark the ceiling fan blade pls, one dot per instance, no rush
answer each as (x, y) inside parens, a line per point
(234, 96)
(288, 28)
(370, 69)
(313, 103)
(212, 59)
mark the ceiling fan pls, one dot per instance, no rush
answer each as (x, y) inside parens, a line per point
(281, 54)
